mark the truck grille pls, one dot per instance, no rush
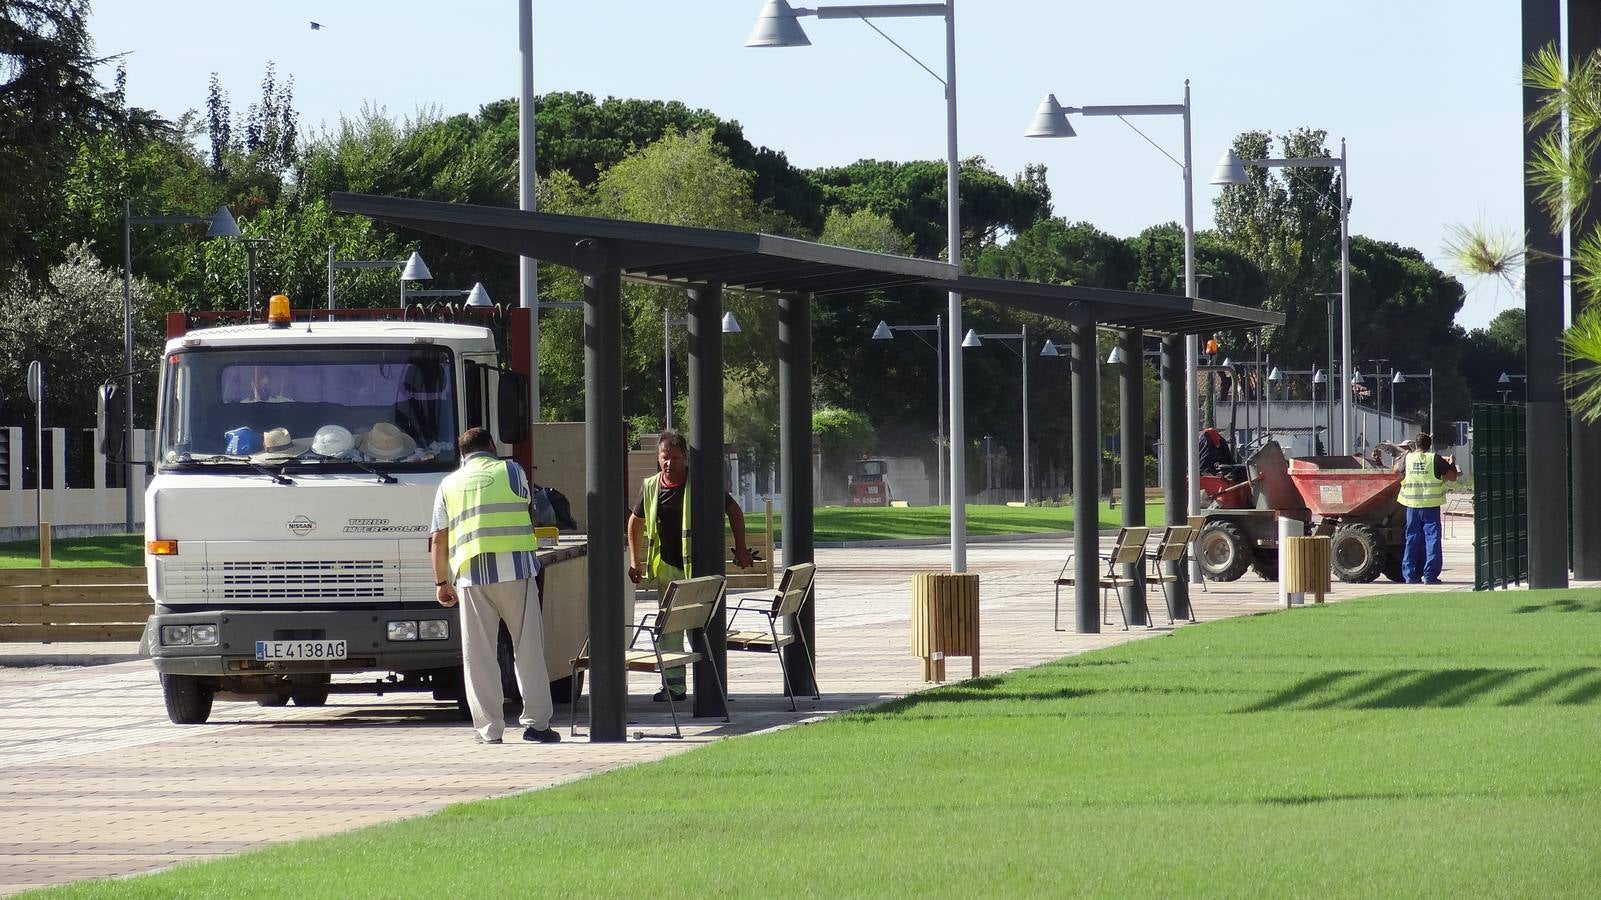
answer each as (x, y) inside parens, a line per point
(229, 582)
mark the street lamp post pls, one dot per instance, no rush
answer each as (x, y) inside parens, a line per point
(221, 224)
(1050, 120)
(1402, 378)
(527, 194)
(1231, 171)
(778, 25)
(886, 332)
(1506, 380)
(730, 326)
(411, 269)
(973, 340)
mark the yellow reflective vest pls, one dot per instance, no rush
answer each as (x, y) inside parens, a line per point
(653, 537)
(486, 515)
(1420, 487)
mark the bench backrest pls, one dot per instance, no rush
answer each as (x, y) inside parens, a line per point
(793, 589)
(1196, 523)
(689, 604)
(1171, 549)
(1130, 546)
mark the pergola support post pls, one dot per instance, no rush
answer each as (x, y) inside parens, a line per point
(1175, 444)
(795, 468)
(1086, 415)
(1131, 407)
(1584, 39)
(706, 485)
(605, 469)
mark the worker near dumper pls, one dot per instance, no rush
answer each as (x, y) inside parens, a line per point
(1214, 452)
(485, 558)
(1423, 477)
(659, 535)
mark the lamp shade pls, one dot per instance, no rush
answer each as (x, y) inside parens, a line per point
(882, 332)
(1050, 120)
(1504, 379)
(971, 339)
(1115, 358)
(1228, 363)
(1275, 375)
(730, 324)
(478, 296)
(223, 225)
(1320, 377)
(1356, 379)
(416, 269)
(1398, 379)
(778, 25)
(1050, 349)
(1230, 170)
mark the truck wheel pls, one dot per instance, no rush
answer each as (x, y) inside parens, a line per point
(1358, 553)
(1266, 565)
(273, 700)
(312, 694)
(1222, 551)
(188, 699)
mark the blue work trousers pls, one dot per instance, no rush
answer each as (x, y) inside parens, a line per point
(1424, 554)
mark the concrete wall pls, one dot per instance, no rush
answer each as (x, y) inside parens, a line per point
(559, 464)
(72, 512)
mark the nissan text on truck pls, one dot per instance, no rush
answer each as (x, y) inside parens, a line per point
(288, 515)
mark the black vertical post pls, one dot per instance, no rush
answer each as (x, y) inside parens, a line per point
(706, 483)
(795, 467)
(1131, 405)
(1584, 39)
(604, 460)
(1086, 414)
(1547, 411)
(1175, 445)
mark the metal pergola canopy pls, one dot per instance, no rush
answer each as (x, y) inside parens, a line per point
(1156, 314)
(673, 254)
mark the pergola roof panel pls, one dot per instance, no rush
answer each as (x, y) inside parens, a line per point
(1154, 313)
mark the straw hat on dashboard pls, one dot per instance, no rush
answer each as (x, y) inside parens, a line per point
(278, 442)
(387, 442)
(332, 440)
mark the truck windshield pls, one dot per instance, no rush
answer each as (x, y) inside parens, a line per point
(316, 406)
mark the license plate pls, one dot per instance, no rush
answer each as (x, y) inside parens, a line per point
(312, 650)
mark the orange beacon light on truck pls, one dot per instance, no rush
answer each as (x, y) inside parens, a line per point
(278, 311)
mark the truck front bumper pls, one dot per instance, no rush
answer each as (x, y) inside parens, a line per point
(365, 633)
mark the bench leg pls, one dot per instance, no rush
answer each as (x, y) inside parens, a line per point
(772, 629)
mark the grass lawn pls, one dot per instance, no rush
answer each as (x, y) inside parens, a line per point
(1439, 744)
(848, 523)
(105, 550)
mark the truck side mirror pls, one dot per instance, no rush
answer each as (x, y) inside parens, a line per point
(110, 415)
(512, 408)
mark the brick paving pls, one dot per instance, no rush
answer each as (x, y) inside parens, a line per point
(95, 782)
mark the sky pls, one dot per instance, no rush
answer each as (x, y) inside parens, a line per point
(1425, 92)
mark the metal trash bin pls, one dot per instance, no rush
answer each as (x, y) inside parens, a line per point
(945, 620)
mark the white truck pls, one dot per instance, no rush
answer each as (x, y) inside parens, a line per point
(287, 520)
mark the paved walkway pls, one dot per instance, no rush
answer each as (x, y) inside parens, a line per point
(95, 782)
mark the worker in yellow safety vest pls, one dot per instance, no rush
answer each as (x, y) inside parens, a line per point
(1423, 477)
(485, 557)
(659, 540)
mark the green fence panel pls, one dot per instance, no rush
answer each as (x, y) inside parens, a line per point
(1500, 497)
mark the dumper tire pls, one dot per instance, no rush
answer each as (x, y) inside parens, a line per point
(1357, 553)
(1222, 551)
(188, 699)
(1266, 565)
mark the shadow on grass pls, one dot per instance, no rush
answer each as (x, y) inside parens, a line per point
(1436, 688)
(1564, 604)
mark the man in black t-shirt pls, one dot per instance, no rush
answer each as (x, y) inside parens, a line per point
(658, 534)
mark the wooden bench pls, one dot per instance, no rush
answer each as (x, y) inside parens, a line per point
(792, 595)
(1152, 495)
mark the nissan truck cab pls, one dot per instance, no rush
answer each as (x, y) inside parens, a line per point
(288, 516)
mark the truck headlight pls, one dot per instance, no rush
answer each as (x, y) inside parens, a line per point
(174, 635)
(402, 631)
(203, 634)
(433, 630)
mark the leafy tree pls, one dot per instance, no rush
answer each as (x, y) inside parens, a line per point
(864, 230)
(1053, 251)
(842, 433)
(912, 194)
(49, 100)
(1500, 346)
(73, 324)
